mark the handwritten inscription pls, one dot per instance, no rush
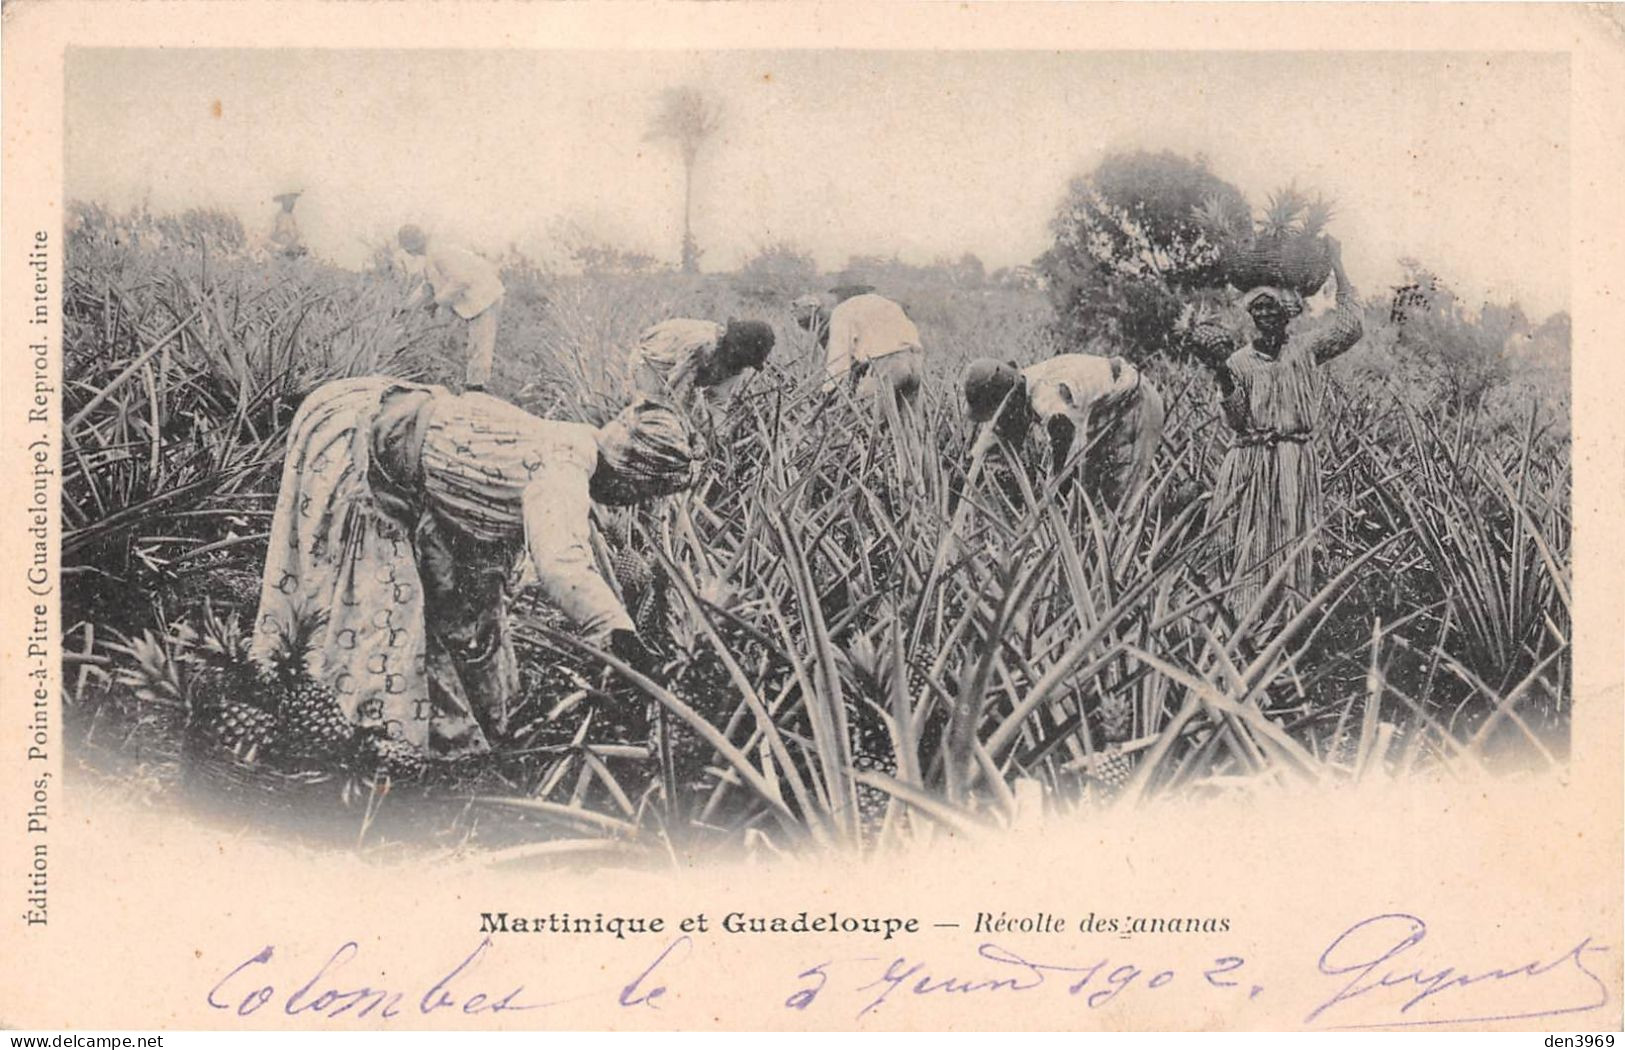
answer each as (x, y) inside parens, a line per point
(468, 988)
(1377, 973)
(1001, 971)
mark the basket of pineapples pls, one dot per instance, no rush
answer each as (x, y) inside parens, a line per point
(1285, 248)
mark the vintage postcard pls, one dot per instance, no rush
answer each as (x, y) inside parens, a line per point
(811, 516)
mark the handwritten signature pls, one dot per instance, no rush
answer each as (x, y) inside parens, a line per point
(1382, 955)
(1384, 979)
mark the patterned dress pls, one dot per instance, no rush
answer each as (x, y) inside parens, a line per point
(1267, 494)
(402, 511)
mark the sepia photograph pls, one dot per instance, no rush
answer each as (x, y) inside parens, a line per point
(628, 450)
(862, 512)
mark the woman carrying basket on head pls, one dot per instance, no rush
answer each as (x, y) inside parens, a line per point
(1267, 495)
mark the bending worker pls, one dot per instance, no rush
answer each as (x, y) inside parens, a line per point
(1104, 400)
(696, 365)
(403, 510)
(870, 344)
(470, 285)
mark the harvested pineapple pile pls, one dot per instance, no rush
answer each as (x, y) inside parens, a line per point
(272, 713)
(1285, 248)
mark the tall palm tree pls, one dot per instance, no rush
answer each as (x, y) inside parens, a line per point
(687, 118)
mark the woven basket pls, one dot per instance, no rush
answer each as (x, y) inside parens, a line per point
(1298, 262)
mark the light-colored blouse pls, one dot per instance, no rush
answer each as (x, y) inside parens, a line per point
(864, 328)
(497, 472)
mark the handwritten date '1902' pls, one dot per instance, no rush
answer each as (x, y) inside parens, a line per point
(1375, 973)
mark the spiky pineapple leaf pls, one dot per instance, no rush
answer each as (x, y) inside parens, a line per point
(1318, 214)
(286, 664)
(1283, 210)
(152, 673)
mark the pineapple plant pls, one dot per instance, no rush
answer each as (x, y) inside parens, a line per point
(1220, 219)
(872, 748)
(206, 677)
(159, 683)
(1227, 227)
(153, 675)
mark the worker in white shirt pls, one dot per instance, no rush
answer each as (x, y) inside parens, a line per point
(285, 239)
(1104, 401)
(471, 286)
(869, 344)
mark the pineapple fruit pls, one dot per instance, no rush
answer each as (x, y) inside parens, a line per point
(233, 707)
(632, 572)
(1305, 257)
(872, 753)
(310, 724)
(395, 759)
(644, 590)
(1112, 769)
(1112, 766)
(204, 675)
(268, 711)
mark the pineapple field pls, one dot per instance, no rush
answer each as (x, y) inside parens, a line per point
(861, 641)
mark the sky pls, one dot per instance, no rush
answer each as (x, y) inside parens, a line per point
(1458, 160)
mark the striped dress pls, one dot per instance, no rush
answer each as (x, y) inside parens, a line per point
(1267, 495)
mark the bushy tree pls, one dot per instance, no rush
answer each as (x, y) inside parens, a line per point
(524, 280)
(1468, 351)
(878, 271)
(777, 272)
(967, 271)
(1129, 249)
(1553, 339)
(601, 259)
